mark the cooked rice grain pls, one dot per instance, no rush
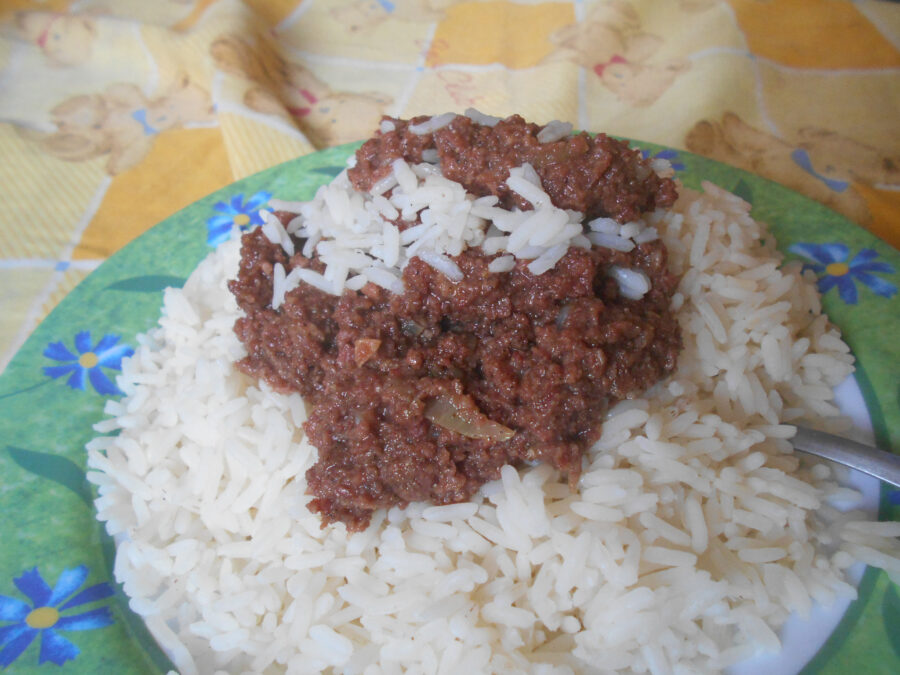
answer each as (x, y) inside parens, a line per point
(351, 232)
(690, 540)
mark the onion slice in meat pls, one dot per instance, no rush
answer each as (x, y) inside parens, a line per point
(459, 414)
(364, 349)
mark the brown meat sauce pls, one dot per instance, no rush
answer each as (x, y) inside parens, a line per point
(598, 176)
(523, 365)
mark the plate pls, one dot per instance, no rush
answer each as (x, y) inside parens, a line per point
(59, 602)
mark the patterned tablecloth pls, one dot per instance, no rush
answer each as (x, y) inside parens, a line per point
(114, 115)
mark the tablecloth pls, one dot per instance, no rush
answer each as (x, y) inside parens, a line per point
(115, 114)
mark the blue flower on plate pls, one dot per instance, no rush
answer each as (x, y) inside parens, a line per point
(89, 362)
(44, 616)
(668, 154)
(834, 266)
(237, 212)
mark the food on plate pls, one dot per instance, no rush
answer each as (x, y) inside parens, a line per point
(692, 533)
(469, 357)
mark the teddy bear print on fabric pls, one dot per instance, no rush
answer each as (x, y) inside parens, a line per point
(360, 15)
(611, 44)
(122, 122)
(65, 40)
(823, 164)
(281, 87)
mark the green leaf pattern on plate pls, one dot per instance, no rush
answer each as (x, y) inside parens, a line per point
(59, 469)
(890, 612)
(147, 283)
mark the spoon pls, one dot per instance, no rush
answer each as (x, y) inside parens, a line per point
(859, 456)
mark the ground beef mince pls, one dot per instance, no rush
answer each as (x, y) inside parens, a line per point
(426, 395)
(597, 175)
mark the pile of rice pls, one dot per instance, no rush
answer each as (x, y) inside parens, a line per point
(693, 535)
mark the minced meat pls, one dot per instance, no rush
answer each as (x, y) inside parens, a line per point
(597, 175)
(426, 395)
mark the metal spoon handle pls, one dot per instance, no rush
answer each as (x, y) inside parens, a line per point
(865, 458)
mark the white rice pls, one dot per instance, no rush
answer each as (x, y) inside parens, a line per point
(632, 283)
(481, 118)
(554, 131)
(692, 536)
(355, 236)
(432, 124)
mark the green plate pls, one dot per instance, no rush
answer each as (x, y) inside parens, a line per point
(59, 603)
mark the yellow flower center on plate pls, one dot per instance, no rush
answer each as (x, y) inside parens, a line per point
(42, 617)
(241, 219)
(837, 269)
(88, 360)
